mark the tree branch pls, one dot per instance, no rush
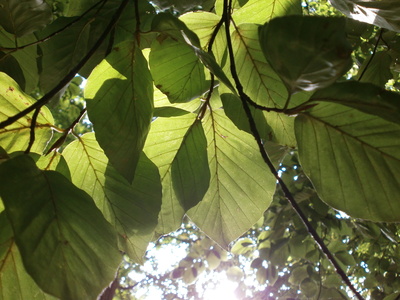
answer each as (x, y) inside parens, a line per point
(285, 189)
(46, 98)
(32, 130)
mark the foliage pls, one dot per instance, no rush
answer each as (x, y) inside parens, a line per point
(221, 115)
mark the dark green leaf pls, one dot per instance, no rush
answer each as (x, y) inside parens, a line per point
(308, 53)
(24, 17)
(352, 159)
(66, 244)
(119, 95)
(309, 287)
(376, 69)
(190, 171)
(10, 66)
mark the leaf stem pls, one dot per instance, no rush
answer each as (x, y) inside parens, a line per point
(46, 98)
(32, 130)
(285, 189)
(372, 55)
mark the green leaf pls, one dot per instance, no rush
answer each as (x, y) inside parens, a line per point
(131, 209)
(24, 17)
(66, 244)
(383, 13)
(10, 66)
(15, 283)
(119, 95)
(241, 185)
(176, 70)
(164, 141)
(345, 258)
(190, 172)
(365, 97)
(376, 69)
(62, 52)
(316, 55)
(15, 137)
(76, 8)
(309, 287)
(352, 159)
(260, 11)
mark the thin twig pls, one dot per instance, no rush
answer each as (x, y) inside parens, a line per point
(266, 159)
(13, 49)
(32, 130)
(46, 98)
(372, 55)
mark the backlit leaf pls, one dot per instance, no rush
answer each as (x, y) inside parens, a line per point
(60, 233)
(376, 69)
(15, 137)
(352, 159)
(119, 94)
(131, 209)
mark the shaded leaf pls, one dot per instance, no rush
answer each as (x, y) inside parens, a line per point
(239, 179)
(119, 94)
(15, 283)
(10, 66)
(24, 17)
(190, 172)
(383, 13)
(131, 209)
(309, 287)
(376, 71)
(60, 233)
(316, 55)
(352, 159)
(15, 137)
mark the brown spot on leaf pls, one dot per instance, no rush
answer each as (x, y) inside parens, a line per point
(10, 88)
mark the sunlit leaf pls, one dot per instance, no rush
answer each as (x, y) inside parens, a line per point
(164, 140)
(60, 233)
(15, 137)
(239, 178)
(308, 53)
(24, 17)
(383, 13)
(15, 283)
(352, 159)
(190, 171)
(131, 209)
(119, 95)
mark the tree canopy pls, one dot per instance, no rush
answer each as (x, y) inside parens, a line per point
(271, 126)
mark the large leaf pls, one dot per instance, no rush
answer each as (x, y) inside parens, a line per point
(164, 140)
(241, 186)
(10, 66)
(119, 95)
(308, 53)
(62, 52)
(376, 69)
(15, 283)
(131, 209)
(24, 17)
(383, 13)
(353, 160)
(365, 97)
(15, 137)
(176, 70)
(190, 171)
(66, 244)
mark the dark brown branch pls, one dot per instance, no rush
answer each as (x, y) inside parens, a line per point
(285, 189)
(46, 98)
(372, 55)
(54, 33)
(32, 130)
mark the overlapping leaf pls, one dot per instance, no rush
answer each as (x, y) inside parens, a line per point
(241, 185)
(15, 283)
(119, 95)
(131, 209)
(24, 17)
(61, 235)
(164, 140)
(383, 13)
(15, 137)
(308, 53)
(376, 69)
(353, 159)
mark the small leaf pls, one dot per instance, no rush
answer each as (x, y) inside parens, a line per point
(15, 137)
(119, 94)
(234, 273)
(383, 13)
(308, 53)
(243, 246)
(24, 17)
(309, 287)
(59, 231)
(190, 171)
